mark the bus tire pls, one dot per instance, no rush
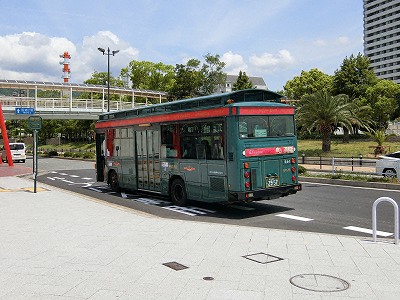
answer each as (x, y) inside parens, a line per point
(113, 181)
(178, 192)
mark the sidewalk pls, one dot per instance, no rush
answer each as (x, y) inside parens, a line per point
(60, 245)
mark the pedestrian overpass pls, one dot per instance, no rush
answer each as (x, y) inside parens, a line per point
(25, 100)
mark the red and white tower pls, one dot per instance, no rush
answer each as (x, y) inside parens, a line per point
(65, 63)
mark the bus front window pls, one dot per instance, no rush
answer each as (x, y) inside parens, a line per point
(266, 126)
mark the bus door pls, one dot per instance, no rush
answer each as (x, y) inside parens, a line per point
(100, 156)
(148, 160)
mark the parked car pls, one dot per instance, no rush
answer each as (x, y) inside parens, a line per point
(17, 152)
(388, 165)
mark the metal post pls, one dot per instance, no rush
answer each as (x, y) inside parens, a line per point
(333, 166)
(35, 133)
(108, 79)
(396, 218)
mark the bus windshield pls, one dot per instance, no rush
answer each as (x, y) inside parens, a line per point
(266, 126)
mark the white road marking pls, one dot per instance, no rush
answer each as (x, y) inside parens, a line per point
(87, 178)
(294, 217)
(365, 230)
(96, 190)
(351, 187)
(74, 176)
(191, 211)
(151, 201)
(63, 174)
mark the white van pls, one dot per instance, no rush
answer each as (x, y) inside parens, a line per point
(17, 152)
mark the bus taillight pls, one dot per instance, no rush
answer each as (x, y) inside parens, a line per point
(246, 174)
(293, 160)
(293, 169)
(294, 178)
(246, 165)
(247, 184)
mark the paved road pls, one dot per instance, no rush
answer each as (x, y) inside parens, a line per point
(318, 208)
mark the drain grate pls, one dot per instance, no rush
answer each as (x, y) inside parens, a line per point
(174, 265)
(262, 258)
(319, 283)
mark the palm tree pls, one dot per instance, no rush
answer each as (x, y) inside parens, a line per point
(324, 112)
(379, 136)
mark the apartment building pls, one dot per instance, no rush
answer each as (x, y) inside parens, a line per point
(382, 37)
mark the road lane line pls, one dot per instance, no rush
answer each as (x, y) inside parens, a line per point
(294, 217)
(351, 187)
(365, 230)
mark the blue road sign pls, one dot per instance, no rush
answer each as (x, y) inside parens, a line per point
(24, 111)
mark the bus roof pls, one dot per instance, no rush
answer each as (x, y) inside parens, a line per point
(204, 102)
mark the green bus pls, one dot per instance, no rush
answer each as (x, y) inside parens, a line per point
(231, 147)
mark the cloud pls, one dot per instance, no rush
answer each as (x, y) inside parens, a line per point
(233, 63)
(271, 62)
(34, 56)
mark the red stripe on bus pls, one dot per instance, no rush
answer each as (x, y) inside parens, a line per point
(266, 110)
(203, 114)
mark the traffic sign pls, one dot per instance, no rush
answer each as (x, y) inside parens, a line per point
(24, 111)
(34, 122)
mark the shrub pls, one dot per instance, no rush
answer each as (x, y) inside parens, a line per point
(88, 155)
(52, 153)
(68, 154)
(302, 170)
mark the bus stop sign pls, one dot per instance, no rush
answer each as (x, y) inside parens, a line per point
(35, 122)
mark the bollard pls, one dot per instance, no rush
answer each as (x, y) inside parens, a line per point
(396, 218)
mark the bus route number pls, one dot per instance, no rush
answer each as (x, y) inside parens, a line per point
(272, 181)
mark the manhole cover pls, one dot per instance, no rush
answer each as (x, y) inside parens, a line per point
(319, 283)
(176, 266)
(262, 258)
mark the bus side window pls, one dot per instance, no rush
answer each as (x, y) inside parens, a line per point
(217, 150)
(167, 144)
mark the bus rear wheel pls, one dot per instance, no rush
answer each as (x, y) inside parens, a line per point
(113, 181)
(178, 192)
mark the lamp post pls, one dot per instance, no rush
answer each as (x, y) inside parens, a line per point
(108, 53)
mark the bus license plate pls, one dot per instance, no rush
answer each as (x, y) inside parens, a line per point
(272, 181)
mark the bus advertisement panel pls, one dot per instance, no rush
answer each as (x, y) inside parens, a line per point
(231, 147)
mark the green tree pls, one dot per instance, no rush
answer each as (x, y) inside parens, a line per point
(354, 77)
(308, 83)
(188, 80)
(324, 113)
(383, 98)
(242, 82)
(147, 75)
(213, 74)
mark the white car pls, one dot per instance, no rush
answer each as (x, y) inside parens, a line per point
(388, 165)
(17, 152)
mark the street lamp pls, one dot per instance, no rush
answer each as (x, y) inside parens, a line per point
(108, 71)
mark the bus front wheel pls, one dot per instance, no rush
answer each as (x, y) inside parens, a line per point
(178, 192)
(113, 181)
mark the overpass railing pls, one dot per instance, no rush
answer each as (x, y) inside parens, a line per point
(65, 104)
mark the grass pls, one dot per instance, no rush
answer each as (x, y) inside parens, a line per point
(339, 149)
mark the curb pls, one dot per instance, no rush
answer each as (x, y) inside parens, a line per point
(379, 185)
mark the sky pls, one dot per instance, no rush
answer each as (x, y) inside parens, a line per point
(272, 39)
